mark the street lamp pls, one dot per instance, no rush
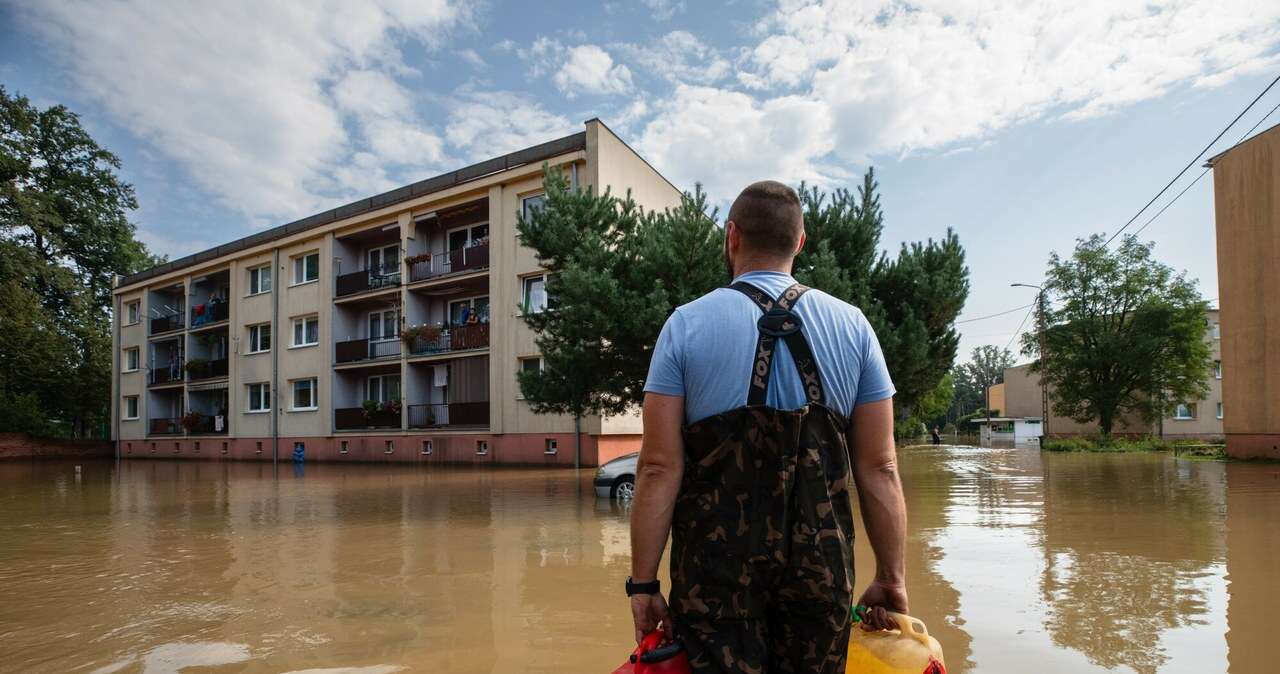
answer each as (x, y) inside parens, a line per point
(1044, 389)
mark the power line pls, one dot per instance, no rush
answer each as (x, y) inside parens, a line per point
(1205, 171)
(1002, 313)
(1019, 330)
(1193, 161)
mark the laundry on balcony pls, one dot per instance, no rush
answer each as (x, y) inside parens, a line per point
(440, 375)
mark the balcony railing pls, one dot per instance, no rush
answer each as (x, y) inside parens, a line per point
(449, 414)
(206, 369)
(166, 426)
(456, 338)
(356, 350)
(210, 312)
(209, 425)
(367, 279)
(167, 373)
(354, 418)
(464, 259)
(166, 323)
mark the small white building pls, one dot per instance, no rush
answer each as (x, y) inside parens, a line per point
(1013, 430)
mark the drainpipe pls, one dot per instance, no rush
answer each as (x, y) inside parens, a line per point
(275, 357)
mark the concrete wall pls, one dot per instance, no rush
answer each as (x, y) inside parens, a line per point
(995, 399)
(1246, 194)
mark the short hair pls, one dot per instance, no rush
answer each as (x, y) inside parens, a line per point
(769, 216)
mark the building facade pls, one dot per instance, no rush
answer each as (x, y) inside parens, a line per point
(1246, 198)
(1198, 419)
(388, 329)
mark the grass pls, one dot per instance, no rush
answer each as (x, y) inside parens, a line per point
(1185, 448)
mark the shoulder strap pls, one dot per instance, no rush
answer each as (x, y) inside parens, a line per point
(780, 322)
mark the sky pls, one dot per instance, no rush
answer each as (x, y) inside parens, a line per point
(1021, 125)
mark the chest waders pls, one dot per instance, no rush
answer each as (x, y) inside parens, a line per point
(762, 532)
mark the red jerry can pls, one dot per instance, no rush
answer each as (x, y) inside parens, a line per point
(653, 656)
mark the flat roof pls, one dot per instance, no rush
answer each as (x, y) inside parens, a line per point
(537, 153)
(983, 420)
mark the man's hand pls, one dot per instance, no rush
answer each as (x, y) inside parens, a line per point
(880, 598)
(647, 611)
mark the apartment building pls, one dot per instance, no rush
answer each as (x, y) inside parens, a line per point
(388, 329)
(1246, 191)
(1193, 419)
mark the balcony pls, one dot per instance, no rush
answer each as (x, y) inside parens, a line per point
(472, 258)
(358, 418)
(207, 313)
(199, 368)
(356, 350)
(166, 323)
(441, 415)
(368, 279)
(456, 338)
(169, 373)
(205, 424)
(165, 426)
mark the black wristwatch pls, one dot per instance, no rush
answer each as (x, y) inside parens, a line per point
(651, 587)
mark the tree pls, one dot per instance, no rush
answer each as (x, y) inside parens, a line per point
(911, 300)
(985, 369)
(616, 273)
(64, 234)
(1128, 334)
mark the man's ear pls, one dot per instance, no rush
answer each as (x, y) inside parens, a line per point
(731, 234)
(800, 246)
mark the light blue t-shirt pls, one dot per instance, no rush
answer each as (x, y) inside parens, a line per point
(707, 348)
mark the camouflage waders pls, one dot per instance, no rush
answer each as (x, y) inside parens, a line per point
(762, 533)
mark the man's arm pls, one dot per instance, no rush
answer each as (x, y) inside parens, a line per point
(884, 513)
(658, 475)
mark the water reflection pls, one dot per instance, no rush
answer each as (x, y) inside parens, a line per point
(1017, 561)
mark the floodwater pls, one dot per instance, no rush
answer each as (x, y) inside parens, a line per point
(1018, 562)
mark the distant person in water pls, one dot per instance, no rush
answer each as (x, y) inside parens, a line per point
(937, 439)
(763, 399)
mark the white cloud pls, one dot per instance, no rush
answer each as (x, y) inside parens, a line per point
(239, 93)
(492, 123)
(679, 56)
(473, 57)
(585, 68)
(726, 140)
(663, 10)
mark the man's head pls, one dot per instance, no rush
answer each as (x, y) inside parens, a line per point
(765, 228)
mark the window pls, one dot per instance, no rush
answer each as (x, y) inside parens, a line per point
(1184, 411)
(466, 237)
(343, 448)
(259, 397)
(259, 448)
(306, 331)
(130, 408)
(384, 260)
(259, 338)
(1219, 410)
(133, 310)
(384, 325)
(528, 365)
(196, 447)
(482, 447)
(533, 203)
(226, 446)
(533, 294)
(1217, 331)
(1217, 369)
(306, 268)
(260, 280)
(304, 395)
(552, 446)
(382, 388)
(389, 447)
(426, 447)
(473, 310)
(131, 359)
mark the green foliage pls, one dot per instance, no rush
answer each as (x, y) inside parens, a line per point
(911, 300)
(985, 368)
(64, 234)
(616, 273)
(1128, 334)
(931, 408)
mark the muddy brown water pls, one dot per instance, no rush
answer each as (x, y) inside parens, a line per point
(1018, 562)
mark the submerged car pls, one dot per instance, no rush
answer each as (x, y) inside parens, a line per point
(617, 478)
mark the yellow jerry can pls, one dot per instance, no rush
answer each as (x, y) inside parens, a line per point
(906, 650)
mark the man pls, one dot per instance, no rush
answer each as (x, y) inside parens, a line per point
(761, 399)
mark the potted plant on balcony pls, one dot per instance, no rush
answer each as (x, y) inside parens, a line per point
(370, 408)
(391, 407)
(191, 421)
(198, 368)
(415, 259)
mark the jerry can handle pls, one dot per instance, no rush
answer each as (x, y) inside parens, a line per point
(906, 624)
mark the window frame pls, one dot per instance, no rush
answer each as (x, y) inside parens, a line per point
(1217, 369)
(1216, 330)
(263, 397)
(137, 359)
(382, 258)
(1219, 410)
(523, 360)
(1189, 407)
(524, 294)
(382, 387)
(524, 203)
(293, 332)
(382, 320)
(299, 263)
(124, 408)
(471, 304)
(315, 394)
(470, 238)
(255, 273)
(133, 312)
(255, 346)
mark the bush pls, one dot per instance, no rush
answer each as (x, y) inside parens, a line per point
(1100, 443)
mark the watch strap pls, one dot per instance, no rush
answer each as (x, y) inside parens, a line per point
(651, 587)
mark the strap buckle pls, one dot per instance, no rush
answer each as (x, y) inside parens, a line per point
(779, 322)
